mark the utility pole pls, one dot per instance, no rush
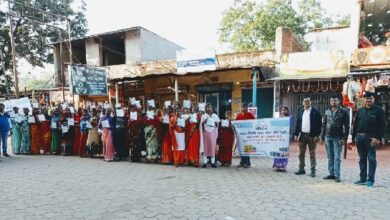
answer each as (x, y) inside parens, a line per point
(13, 51)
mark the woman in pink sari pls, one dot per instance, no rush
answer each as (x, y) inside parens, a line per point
(209, 134)
(107, 128)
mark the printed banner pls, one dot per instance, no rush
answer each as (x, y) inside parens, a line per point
(86, 80)
(269, 137)
(20, 103)
(195, 61)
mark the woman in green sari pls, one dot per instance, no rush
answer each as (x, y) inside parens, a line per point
(16, 130)
(25, 144)
(55, 132)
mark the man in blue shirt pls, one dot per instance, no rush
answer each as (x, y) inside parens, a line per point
(4, 129)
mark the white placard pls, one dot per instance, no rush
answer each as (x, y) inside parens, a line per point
(31, 119)
(89, 125)
(194, 118)
(120, 113)
(133, 116)
(133, 101)
(150, 114)
(187, 104)
(181, 122)
(211, 122)
(41, 117)
(167, 104)
(117, 105)
(225, 123)
(64, 128)
(19, 119)
(138, 104)
(64, 106)
(106, 124)
(71, 121)
(165, 119)
(71, 110)
(106, 105)
(12, 114)
(54, 125)
(202, 107)
(151, 103)
(35, 105)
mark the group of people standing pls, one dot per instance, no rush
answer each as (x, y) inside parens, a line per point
(334, 129)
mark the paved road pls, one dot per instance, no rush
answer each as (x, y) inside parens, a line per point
(57, 187)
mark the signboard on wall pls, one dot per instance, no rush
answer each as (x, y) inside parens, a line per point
(379, 55)
(320, 64)
(195, 61)
(85, 80)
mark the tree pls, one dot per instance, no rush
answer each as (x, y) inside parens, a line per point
(250, 26)
(32, 39)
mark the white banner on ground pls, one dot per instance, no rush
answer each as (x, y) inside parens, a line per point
(267, 137)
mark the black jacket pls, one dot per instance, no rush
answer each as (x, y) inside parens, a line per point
(315, 122)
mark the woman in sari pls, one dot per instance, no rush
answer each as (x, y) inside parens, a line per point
(83, 133)
(67, 128)
(25, 131)
(226, 140)
(280, 163)
(193, 139)
(16, 130)
(177, 130)
(93, 140)
(77, 135)
(135, 134)
(45, 132)
(209, 135)
(152, 131)
(35, 133)
(107, 128)
(55, 131)
(166, 143)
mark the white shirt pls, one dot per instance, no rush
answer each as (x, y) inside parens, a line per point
(306, 121)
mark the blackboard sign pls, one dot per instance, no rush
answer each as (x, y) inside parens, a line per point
(85, 80)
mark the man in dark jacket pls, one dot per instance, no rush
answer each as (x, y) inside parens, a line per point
(307, 132)
(335, 130)
(368, 130)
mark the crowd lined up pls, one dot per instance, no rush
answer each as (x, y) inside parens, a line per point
(189, 135)
(175, 135)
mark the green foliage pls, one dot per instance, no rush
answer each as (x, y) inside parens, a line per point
(251, 26)
(32, 39)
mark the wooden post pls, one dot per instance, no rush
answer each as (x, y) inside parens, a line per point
(13, 52)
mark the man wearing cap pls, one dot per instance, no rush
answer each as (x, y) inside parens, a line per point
(5, 126)
(368, 130)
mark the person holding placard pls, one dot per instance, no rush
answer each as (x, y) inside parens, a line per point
(55, 131)
(44, 127)
(245, 115)
(25, 131)
(193, 138)
(77, 134)
(152, 131)
(120, 121)
(84, 120)
(135, 133)
(209, 135)
(226, 140)
(16, 119)
(5, 127)
(280, 163)
(177, 130)
(67, 128)
(93, 140)
(166, 145)
(107, 128)
(34, 132)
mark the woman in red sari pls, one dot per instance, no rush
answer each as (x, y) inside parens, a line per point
(226, 140)
(77, 135)
(35, 133)
(178, 138)
(84, 119)
(166, 145)
(193, 139)
(46, 132)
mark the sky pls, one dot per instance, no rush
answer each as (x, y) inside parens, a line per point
(193, 24)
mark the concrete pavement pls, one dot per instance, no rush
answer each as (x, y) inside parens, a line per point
(57, 187)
